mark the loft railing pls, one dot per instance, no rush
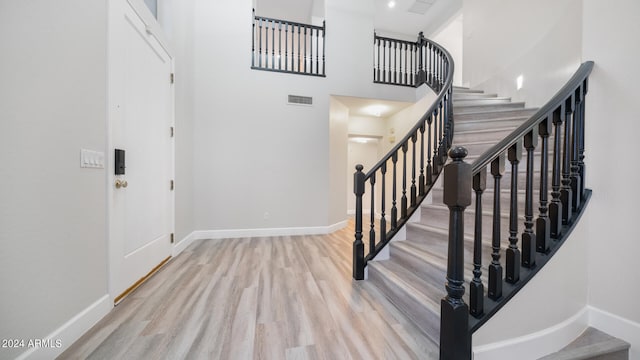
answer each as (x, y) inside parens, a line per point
(422, 150)
(562, 121)
(289, 47)
(406, 63)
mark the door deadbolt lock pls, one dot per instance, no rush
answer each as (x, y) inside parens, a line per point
(121, 183)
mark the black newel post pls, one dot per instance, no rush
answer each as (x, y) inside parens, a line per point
(358, 245)
(455, 339)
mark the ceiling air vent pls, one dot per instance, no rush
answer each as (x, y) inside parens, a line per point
(421, 6)
(300, 100)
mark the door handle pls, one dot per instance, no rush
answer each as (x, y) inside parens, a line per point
(121, 183)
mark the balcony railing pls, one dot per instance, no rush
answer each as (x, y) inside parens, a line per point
(289, 47)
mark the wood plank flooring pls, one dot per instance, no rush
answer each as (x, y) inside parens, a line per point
(289, 297)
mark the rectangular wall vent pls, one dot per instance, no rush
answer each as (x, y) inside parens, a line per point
(300, 100)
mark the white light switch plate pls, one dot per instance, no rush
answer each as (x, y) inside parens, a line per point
(91, 159)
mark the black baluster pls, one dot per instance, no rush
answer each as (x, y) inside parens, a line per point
(376, 74)
(400, 57)
(455, 339)
(576, 180)
(272, 27)
(528, 236)
(543, 222)
(495, 268)
(476, 288)
(305, 50)
(372, 231)
(384, 60)
(358, 245)
(566, 196)
(406, 51)
(421, 178)
(436, 166)
(324, 30)
(299, 52)
(555, 208)
(429, 141)
(395, 62)
(414, 192)
(317, 51)
(253, 39)
(279, 45)
(420, 45)
(441, 147)
(403, 200)
(383, 220)
(581, 143)
(394, 209)
(260, 42)
(286, 47)
(513, 253)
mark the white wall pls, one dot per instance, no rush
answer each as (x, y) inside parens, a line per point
(610, 40)
(450, 37)
(52, 212)
(540, 40)
(176, 19)
(259, 163)
(338, 154)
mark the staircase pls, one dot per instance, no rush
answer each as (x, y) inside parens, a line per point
(414, 275)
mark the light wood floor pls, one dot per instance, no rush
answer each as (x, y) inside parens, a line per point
(289, 297)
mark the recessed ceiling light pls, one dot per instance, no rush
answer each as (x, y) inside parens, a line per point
(391, 4)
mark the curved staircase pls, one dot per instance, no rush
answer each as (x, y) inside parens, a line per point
(413, 275)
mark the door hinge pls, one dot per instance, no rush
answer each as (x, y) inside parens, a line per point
(172, 185)
(172, 77)
(172, 131)
(172, 238)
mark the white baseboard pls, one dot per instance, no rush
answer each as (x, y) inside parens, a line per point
(617, 326)
(70, 331)
(538, 344)
(240, 233)
(183, 244)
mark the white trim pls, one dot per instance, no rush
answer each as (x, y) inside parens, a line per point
(183, 244)
(241, 233)
(538, 344)
(71, 331)
(617, 326)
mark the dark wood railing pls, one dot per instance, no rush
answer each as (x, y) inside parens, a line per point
(423, 150)
(562, 121)
(289, 47)
(407, 63)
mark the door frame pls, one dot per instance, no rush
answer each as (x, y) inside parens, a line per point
(153, 29)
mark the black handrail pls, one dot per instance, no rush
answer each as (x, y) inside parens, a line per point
(288, 46)
(556, 219)
(437, 123)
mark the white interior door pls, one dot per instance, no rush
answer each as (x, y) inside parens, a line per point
(141, 204)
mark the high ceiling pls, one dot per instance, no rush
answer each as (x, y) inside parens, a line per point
(407, 16)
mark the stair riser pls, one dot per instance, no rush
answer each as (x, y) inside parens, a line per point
(421, 316)
(466, 91)
(498, 107)
(461, 138)
(463, 104)
(471, 125)
(492, 115)
(437, 245)
(464, 96)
